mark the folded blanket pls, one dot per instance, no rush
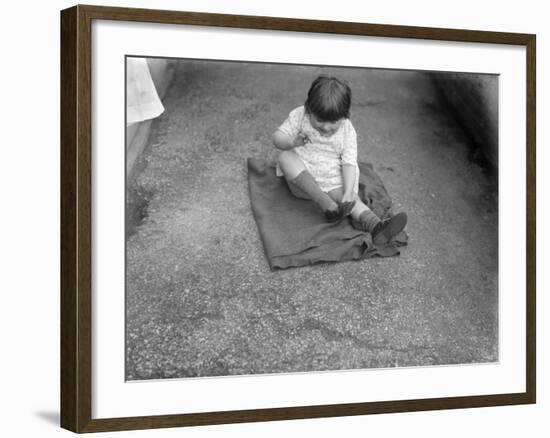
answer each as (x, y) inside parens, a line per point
(294, 231)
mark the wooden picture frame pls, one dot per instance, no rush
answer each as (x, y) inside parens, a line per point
(76, 218)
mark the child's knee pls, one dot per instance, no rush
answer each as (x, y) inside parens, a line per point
(286, 158)
(289, 162)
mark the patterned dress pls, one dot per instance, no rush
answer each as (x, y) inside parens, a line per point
(323, 157)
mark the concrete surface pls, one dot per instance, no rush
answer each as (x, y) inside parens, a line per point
(201, 300)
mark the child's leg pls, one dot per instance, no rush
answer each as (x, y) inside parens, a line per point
(382, 231)
(296, 191)
(291, 164)
(363, 217)
(337, 194)
(296, 173)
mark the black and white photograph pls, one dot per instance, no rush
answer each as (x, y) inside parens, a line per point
(275, 219)
(285, 218)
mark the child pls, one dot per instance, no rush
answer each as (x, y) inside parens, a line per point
(319, 159)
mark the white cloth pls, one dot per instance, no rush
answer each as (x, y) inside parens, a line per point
(323, 157)
(142, 99)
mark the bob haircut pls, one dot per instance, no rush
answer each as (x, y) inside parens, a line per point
(328, 99)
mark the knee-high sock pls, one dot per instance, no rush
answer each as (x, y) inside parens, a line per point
(307, 183)
(368, 220)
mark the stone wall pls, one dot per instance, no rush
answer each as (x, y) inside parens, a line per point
(473, 99)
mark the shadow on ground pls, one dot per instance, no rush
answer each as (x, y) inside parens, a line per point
(201, 300)
(49, 417)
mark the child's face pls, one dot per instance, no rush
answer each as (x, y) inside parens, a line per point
(326, 129)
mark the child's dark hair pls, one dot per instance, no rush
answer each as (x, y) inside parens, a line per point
(328, 99)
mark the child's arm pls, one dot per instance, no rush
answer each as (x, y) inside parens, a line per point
(349, 163)
(289, 135)
(348, 176)
(284, 142)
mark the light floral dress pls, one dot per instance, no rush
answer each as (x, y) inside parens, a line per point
(323, 157)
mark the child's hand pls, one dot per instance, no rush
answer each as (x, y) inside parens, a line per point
(300, 140)
(346, 204)
(347, 197)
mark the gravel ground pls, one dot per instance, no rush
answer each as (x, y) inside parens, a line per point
(200, 297)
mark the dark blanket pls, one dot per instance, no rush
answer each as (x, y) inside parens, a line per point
(294, 231)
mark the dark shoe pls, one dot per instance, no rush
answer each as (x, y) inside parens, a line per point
(333, 215)
(387, 229)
